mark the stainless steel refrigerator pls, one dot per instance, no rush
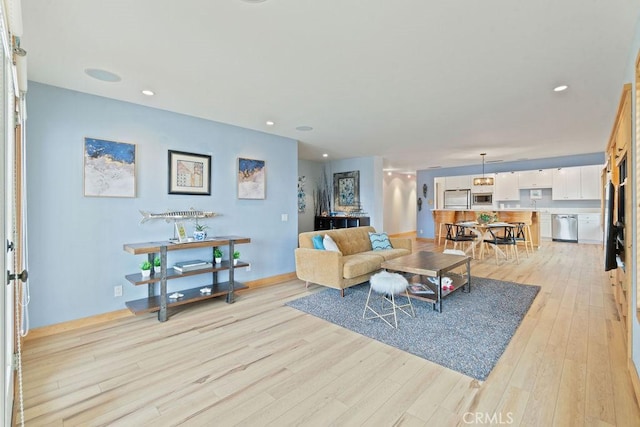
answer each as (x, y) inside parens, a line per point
(457, 199)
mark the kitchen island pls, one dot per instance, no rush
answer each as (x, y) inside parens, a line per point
(441, 216)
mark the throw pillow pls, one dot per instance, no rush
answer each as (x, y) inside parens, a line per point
(379, 241)
(317, 242)
(330, 244)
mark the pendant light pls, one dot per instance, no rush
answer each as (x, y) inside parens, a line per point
(483, 181)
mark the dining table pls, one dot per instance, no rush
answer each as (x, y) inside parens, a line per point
(481, 229)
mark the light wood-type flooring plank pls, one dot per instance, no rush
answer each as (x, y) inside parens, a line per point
(259, 362)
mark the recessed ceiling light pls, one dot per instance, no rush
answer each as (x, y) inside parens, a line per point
(102, 75)
(304, 128)
(270, 122)
(560, 88)
(148, 92)
(409, 176)
(325, 155)
(389, 173)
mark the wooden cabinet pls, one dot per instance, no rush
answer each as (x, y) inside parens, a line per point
(506, 186)
(457, 182)
(622, 131)
(541, 178)
(576, 183)
(331, 222)
(158, 300)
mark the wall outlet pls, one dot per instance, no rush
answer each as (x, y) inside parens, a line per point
(420, 231)
(117, 291)
(248, 268)
(284, 217)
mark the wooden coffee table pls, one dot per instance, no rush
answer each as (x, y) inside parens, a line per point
(433, 264)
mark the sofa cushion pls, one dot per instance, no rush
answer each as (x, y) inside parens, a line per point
(388, 253)
(352, 241)
(317, 242)
(359, 264)
(379, 241)
(329, 244)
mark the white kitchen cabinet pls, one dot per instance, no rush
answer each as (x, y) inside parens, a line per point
(590, 182)
(506, 186)
(541, 178)
(457, 182)
(566, 184)
(589, 228)
(576, 183)
(545, 225)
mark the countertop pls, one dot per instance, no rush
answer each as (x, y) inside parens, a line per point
(539, 210)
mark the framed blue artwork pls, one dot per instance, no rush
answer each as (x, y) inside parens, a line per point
(346, 190)
(251, 179)
(109, 168)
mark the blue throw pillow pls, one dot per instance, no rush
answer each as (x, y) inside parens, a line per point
(380, 241)
(317, 242)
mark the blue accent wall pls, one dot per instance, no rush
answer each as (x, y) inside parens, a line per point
(425, 219)
(75, 242)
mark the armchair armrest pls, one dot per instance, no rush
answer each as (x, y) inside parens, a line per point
(321, 267)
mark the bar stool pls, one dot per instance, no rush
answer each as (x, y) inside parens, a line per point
(522, 223)
(442, 218)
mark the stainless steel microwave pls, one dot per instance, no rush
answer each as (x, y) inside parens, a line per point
(482, 199)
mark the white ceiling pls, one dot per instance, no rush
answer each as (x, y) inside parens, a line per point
(418, 82)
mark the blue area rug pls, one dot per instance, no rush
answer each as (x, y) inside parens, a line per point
(469, 335)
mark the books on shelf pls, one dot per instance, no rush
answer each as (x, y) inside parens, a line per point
(420, 289)
(196, 264)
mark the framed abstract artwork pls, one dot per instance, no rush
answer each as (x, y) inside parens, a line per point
(189, 173)
(251, 179)
(109, 168)
(346, 190)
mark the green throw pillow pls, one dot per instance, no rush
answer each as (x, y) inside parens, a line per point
(380, 241)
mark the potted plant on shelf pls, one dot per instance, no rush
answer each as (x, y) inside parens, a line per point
(236, 257)
(145, 269)
(200, 232)
(157, 264)
(217, 254)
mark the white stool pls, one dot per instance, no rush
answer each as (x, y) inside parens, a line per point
(388, 285)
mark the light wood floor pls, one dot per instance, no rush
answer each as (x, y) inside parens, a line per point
(257, 362)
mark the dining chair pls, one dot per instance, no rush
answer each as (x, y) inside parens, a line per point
(458, 234)
(523, 234)
(506, 238)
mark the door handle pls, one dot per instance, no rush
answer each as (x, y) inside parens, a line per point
(23, 276)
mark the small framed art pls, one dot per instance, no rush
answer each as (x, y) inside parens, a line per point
(189, 173)
(251, 179)
(181, 232)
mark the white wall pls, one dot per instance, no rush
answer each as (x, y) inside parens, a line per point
(400, 203)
